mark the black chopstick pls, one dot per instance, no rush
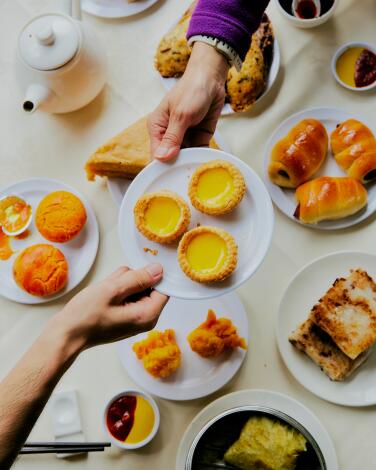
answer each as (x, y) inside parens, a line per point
(64, 450)
(67, 444)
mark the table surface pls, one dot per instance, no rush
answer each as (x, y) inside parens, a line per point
(41, 145)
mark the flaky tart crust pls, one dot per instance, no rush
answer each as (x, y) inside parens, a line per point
(228, 206)
(140, 216)
(229, 265)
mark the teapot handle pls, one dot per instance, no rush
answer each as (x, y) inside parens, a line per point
(71, 8)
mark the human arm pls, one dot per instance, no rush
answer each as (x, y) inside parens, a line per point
(98, 314)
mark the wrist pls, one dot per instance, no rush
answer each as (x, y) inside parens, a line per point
(216, 64)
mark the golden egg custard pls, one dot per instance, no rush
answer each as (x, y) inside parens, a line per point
(216, 187)
(15, 214)
(159, 352)
(41, 270)
(207, 254)
(162, 216)
(60, 216)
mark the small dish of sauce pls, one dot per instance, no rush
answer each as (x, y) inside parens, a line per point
(15, 215)
(131, 419)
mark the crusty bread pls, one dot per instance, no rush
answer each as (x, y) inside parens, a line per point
(347, 312)
(319, 346)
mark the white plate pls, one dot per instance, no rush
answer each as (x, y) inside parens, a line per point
(168, 83)
(196, 377)
(304, 290)
(80, 252)
(115, 8)
(251, 224)
(275, 400)
(284, 198)
(119, 186)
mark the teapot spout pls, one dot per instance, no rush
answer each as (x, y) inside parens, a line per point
(35, 95)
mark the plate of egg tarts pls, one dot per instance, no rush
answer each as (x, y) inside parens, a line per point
(206, 217)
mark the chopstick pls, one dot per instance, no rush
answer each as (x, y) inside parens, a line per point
(67, 444)
(62, 447)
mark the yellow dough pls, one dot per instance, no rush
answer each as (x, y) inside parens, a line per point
(162, 216)
(216, 187)
(207, 254)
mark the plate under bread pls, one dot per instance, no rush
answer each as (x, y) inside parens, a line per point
(196, 377)
(284, 198)
(79, 252)
(303, 291)
(251, 224)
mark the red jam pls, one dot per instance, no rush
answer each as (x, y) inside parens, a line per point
(120, 416)
(306, 9)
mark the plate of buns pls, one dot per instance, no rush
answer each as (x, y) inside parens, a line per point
(326, 328)
(194, 350)
(243, 88)
(320, 168)
(116, 8)
(57, 248)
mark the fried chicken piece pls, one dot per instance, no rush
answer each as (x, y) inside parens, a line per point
(215, 336)
(159, 352)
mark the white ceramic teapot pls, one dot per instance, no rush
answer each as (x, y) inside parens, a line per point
(61, 65)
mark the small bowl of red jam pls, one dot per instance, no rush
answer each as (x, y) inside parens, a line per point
(131, 419)
(306, 13)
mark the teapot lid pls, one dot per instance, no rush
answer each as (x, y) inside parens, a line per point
(48, 42)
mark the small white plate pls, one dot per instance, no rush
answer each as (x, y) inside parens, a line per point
(196, 377)
(79, 252)
(284, 198)
(168, 83)
(251, 224)
(304, 290)
(115, 8)
(267, 398)
(119, 186)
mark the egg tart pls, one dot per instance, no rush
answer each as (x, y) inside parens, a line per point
(216, 187)
(162, 216)
(207, 254)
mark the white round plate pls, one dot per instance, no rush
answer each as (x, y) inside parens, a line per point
(251, 224)
(196, 377)
(115, 8)
(80, 252)
(168, 83)
(304, 290)
(119, 186)
(267, 398)
(284, 198)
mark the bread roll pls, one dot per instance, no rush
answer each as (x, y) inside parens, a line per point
(298, 156)
(329, 198)
(354, 148)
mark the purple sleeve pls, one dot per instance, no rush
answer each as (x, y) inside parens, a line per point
(232, 21)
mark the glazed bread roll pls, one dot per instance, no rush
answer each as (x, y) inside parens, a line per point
(354, 148)
(329, 198)
(297, 157)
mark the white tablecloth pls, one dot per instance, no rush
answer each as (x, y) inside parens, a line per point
(58, 146)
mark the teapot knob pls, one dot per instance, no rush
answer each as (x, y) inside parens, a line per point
(46, 36)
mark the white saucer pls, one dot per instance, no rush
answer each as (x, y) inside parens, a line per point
(284, 198)
(251, 224)
(304, 290)
(197, 377)
(79, 252)
(267, 398)
(115, 8)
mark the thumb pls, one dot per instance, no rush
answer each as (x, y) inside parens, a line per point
(172, 140)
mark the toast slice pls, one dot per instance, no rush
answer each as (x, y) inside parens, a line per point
(323, 351)
(347, 313)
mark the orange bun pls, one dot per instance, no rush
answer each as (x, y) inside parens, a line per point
(41, 270)
(60, 216)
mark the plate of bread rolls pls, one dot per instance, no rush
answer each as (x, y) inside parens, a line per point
(320, 168)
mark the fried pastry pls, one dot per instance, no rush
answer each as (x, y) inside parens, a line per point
(299, 155)
(159, 352)
(215, 336)
(162, 216)
(207, 254)
(347, 312)
(216, 187)
(354, 148)
(329, 198)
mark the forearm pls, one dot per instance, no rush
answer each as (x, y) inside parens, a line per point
(233, 21)
(26, 389)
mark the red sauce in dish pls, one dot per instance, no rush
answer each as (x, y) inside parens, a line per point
(306, 9)
(120, 416)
